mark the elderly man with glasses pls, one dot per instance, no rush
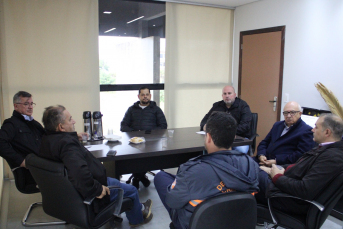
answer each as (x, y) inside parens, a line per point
(287, 141)
(20, 135)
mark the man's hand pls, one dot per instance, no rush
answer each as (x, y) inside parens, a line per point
(268, 163)
(23, 164)
(105, 190)
(262, 159)
(79, 135)
(266, 169)
(275, 170)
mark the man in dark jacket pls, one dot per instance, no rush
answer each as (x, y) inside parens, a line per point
(238, 108)
(143, 115)
(20, 135)
(311, 174)
(222, 170)
(288, 140)
(85, 172)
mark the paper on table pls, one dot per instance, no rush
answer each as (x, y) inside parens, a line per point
(309, 120)
(201, 132)
(96, 147)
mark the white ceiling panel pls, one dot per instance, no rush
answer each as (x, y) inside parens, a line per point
(215, 3)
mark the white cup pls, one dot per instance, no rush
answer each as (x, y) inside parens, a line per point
(170, 133)
(110, 131)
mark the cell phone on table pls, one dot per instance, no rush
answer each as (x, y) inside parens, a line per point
(148, 132)
(111, 153)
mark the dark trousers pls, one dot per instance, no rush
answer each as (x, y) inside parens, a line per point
(139, 176)
(283, 204)
(162, 180)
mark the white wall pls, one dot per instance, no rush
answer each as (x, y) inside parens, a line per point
(313, 44)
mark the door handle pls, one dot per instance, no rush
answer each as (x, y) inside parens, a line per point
(274, 101)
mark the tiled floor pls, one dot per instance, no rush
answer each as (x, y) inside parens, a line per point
(14, 205)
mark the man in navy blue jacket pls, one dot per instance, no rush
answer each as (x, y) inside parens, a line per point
(220, 171)
(288, 140)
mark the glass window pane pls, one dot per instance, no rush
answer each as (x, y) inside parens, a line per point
(114, 104)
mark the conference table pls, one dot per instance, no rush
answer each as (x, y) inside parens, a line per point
(159, 151)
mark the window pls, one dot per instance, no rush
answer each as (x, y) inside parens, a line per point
(131, 55)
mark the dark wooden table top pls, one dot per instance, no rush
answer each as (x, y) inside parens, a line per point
(184, 140)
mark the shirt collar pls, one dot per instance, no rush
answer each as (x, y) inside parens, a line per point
(27, 118)
(325, 143)
(287, 127)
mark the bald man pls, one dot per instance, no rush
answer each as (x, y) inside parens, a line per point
(288, 140)
(238, 108)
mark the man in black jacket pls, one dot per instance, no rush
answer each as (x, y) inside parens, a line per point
(85, 172)
(143, 115)
(20, 135)
(311, 174)
(238, 108)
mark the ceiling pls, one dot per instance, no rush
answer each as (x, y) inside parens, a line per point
(153, 22)
(215, 3)
(123, 12)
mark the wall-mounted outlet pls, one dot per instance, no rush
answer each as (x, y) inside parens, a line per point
(286, 100)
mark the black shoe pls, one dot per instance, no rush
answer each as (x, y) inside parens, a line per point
(147, 209)
(145, 181)
(171, 225)
(135, 182)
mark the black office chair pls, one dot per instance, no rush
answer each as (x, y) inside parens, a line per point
(337, 211)
(316, 215)
(27, 185)
(229, 210)
(253, 133)
(61, 200)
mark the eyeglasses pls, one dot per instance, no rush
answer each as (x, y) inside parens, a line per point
(292, 113)
(28, 104)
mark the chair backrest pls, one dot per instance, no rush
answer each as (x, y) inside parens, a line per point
(24, 181)
(329, 197)
(229, 210)
(253, 131)
(59, 197)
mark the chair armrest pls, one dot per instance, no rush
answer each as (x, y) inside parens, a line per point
(15, 168)
(285, 195)
(315, 203)
(120, 196)
(253, 136)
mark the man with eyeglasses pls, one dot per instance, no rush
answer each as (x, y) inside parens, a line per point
(287, 141)
(307, 177)
(20, 135)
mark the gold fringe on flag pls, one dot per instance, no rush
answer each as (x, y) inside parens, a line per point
(330, 99)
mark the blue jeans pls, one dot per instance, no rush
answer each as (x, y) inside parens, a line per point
(242, 149)
(135, 215)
